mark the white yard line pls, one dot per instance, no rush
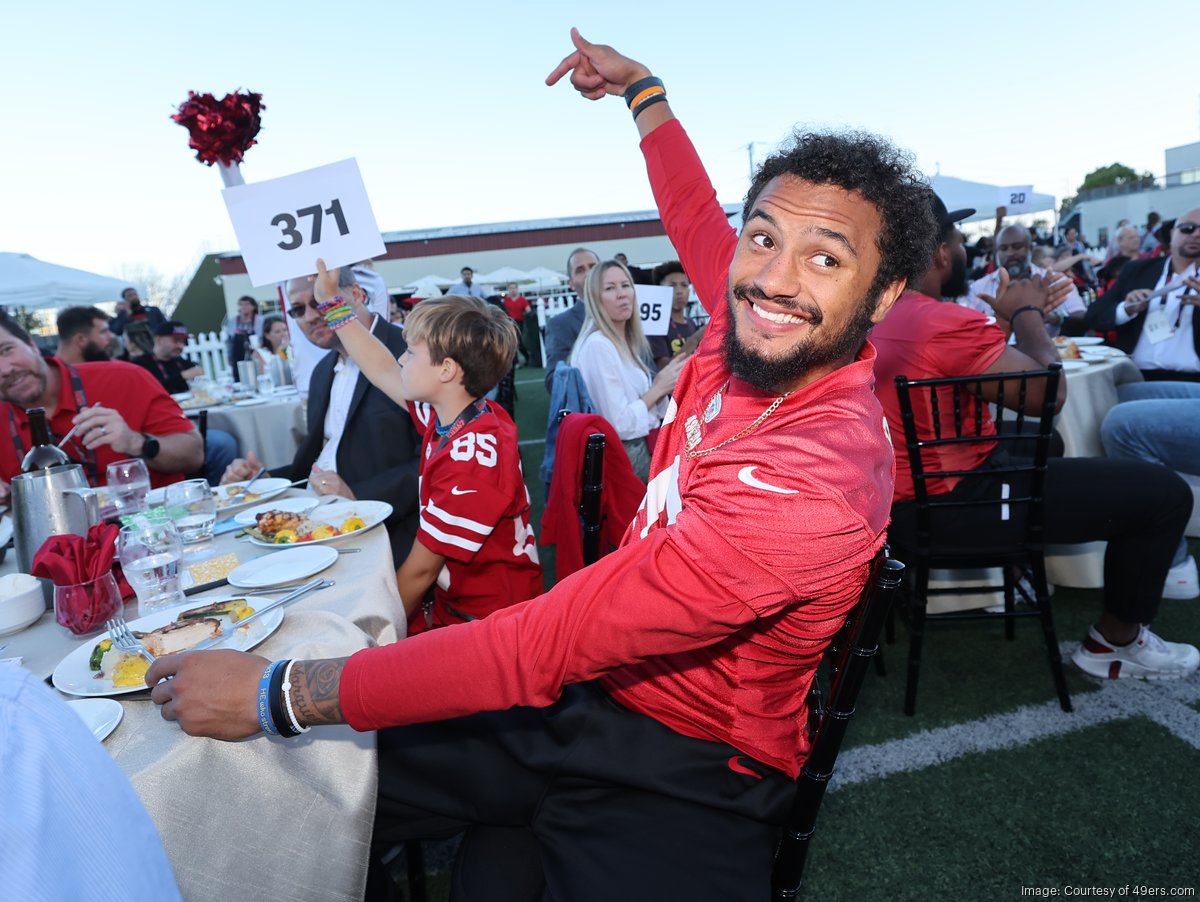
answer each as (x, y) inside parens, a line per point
(1166, 702)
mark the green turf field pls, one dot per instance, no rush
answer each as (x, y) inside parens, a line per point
(991, 791)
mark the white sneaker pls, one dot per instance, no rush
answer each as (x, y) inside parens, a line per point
(1148, 657)
(1182, 580)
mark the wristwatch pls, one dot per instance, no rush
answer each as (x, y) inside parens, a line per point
(150, 447)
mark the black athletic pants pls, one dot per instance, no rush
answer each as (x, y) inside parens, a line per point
(1140, 509)
(599, 802)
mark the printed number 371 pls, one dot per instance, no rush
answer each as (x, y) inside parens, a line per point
(294, 239)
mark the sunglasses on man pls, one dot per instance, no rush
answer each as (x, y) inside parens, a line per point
(1187, 227)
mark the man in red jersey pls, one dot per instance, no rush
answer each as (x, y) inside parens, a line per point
(644, 719)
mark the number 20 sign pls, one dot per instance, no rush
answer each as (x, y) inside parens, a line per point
(284, 224)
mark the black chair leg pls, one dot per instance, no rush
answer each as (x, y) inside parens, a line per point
(916, 633)
(1010, 603)
(1047, 618)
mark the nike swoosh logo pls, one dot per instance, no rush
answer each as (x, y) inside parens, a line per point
(737, 767)
(457, 491)
(746, 475)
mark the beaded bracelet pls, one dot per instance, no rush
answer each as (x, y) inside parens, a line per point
(287, 699)
(264, 706)
(336, 312)
(274, 699)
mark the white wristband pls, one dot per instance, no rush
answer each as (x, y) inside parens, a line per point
(287, 699)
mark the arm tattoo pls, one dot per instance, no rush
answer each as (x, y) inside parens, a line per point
(315, 691)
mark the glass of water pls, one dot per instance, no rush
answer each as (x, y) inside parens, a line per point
(128, 482)
(266, 382)
(150, 553)
(193, 508)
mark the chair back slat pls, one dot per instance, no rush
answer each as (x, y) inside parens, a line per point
(848, 657)
(589, 502)
(968, 393)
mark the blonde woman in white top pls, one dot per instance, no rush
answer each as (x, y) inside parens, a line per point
(613, 357)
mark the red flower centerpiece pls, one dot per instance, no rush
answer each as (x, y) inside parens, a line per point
(221, 131)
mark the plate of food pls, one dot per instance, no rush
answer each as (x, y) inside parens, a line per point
(233, 497)
(100, 715)
(287, 566)
(273, 528)
(249, 402)
(301, 506)
(95, 668)
(1087, 341)
(1074, 364)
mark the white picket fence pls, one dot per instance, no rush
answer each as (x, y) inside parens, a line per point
(208, 350)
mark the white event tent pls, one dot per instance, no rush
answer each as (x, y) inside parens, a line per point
(34, 284)
(959, 194)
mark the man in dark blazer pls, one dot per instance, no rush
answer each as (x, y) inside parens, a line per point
(1161, 334)
(562, 330)
(360, 444)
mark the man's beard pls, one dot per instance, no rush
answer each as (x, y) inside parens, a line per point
(33, 394)
(775, 373)
(1019, 267)
(956, 285)
(93, 353)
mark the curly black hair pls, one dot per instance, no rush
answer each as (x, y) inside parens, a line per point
(883, 175)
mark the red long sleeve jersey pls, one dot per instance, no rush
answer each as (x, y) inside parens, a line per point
(475, 514)
(740, 565)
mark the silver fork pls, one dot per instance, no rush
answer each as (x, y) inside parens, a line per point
(119, 632)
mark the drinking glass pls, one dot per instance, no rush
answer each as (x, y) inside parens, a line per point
(193, 508)
(128, 482)
(266, 382)
(84, 607)
(150, 554)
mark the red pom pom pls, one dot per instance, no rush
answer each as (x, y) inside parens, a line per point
(221, 131)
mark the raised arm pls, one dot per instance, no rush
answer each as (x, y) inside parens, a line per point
(371, 354)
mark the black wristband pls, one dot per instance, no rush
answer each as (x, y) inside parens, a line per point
(283, 723)
(1020, 310)
(657, 98)
(640, 85)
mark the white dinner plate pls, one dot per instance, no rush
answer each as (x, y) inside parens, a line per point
(1074, 364)
(250, 402)
(265, 488)
(289, 564)
(291, 505)
(372, 513)
(100, 715)
(74, 677)
(1101, 353)
(1087, 341)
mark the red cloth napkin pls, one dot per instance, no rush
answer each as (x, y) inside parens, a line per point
(68, 560)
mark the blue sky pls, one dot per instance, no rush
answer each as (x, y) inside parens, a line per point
(445, 109)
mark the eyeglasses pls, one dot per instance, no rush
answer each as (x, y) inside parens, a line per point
(1017, 246)
(297, 311)
(1187, 227)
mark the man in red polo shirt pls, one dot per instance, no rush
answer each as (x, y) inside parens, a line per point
(119, 409)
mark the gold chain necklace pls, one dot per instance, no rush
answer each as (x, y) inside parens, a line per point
(693, 425)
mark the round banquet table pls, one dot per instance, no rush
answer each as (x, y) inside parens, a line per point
(265, 818)
(273, 430)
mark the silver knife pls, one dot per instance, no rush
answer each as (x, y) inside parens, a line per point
(228, 633)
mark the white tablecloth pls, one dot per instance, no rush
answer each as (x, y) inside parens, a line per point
(273, 431)
(264, 819)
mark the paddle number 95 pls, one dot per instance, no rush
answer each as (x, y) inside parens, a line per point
(289, 224)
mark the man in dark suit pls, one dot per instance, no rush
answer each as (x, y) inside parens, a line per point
(360, 444)
(562, 330)
(1161, 334)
